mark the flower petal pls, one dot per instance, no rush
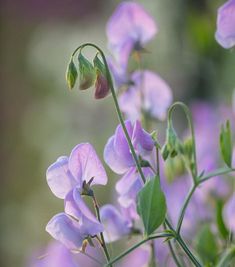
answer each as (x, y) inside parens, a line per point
(66, 230)
(116, 152)
(77, 208)
(225, 33)
(59, 178)
(130, 20)
(84, 164)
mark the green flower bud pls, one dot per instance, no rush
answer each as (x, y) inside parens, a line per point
(87, 73)
(71, 74)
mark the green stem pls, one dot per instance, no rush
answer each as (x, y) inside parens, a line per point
(151, 237)
(171, 249)
(184, 207)
(191, 127)
(188, 251)
(183, 245)
(152, 262)
(103, 244)
(218, 172)
(194, 187)
(109, 78)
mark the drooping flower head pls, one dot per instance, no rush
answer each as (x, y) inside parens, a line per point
(117, 154)
(149, 93)
(76, 224)
(225, 33)
(130, 27)
(83, 165)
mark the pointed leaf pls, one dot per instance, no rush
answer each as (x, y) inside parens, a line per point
(151, 205)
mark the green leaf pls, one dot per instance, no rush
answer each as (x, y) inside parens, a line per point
(220, 221)
(71, 74)
(226, 144)
(151, 205)
(206, 245)
(86, 71)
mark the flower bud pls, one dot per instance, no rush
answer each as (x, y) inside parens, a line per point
(101, 84)
(87, 73)
(71, 74)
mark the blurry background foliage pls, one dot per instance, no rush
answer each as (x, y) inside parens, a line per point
(41, 119)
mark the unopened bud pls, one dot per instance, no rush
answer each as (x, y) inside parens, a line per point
(71, 74)
(87, 73)
(101, 84)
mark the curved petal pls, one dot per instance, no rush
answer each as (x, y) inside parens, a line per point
(59, 178)
(66, 230)
(225, 33)
(115, 225)
(156, 93)
(142, 140)
(116, 152)
(84, 164)
(130, 20)
(77, 208)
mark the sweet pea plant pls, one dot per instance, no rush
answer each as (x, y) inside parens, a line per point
(169, 191)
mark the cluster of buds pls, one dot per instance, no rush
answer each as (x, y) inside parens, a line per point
(89, 74)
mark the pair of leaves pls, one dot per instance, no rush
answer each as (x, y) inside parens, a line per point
(151, 205)
(226, 144)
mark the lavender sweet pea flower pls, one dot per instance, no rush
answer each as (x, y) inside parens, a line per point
(130, 27)
(229, 213)
(76, 224)
(115, 224)
(82, 165)
(149, 93)
(225, 34)
(117, 154)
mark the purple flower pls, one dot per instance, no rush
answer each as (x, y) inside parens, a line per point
(117, 154)
(130, 27)
(115, 224)
(229, 213)
(56, 255)
(82, 165)
(225, 34)
(76, 224)
(149, 93)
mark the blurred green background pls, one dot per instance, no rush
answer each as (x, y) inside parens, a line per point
(41, 119)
